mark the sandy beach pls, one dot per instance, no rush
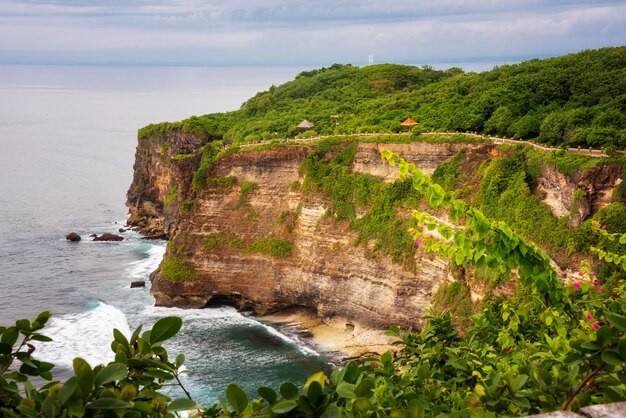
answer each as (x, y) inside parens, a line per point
(337, 335)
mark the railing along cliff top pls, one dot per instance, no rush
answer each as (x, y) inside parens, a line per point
(598, 153)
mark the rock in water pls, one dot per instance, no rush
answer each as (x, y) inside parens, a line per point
(108, 237)
(72, 236)
(138, 283)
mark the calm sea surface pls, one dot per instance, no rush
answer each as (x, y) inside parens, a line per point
(67, 144)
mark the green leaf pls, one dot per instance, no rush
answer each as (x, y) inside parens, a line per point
(361, 405)
(336, 376)
(618, 321)
(521, 402)
(268, 394)
(588, 345)
(84, 376)
(111, 373)
(180, 360)
(109, 403)
(10, 336)
(622, 239)
(416, 409)
(23, 325)
(41, 320)
(365, 388)
(159, 374)
(41, 337)
(5, 349)
(49, 408)
(604, 335)
(288, 390)
(622, 348)
(423, 372)
(346, 390)
(284, 406)
(314, 392)
(481, 223)
(318, 377)
(165, 328)
(520, 381)
(237, 397)
(135, 335)
(573, 374)
(182, 404)
(611, 358)
(436, 196)
(119, 337)
(67, 390)
(332, 411)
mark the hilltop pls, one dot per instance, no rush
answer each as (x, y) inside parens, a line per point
(574, 100)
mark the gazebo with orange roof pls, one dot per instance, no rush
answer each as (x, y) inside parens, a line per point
(408, 123)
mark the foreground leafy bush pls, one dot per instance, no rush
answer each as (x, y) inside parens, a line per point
(129, 386)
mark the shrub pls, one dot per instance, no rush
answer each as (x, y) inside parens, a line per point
(247, 187)
(214, 241)
(222, 184)
(187, 204)
(272, 246)
(172, 195)
(177, 270)
(209, 156)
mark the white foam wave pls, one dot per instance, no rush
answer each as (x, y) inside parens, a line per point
(140, 270)
(223, 316)
(87, 335)
(301, 347)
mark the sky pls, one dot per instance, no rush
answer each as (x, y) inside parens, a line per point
(302, 32)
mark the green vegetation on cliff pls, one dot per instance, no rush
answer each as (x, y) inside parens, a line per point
(326, 171)
(574, 100)
(177, 270)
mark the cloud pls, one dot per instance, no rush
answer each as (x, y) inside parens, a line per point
(301, 31)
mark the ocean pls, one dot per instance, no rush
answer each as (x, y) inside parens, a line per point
(67, 145)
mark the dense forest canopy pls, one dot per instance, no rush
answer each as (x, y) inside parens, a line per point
(574, 100)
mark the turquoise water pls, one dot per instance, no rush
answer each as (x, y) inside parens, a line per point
(67, 143)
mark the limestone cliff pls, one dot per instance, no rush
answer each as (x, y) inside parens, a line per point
(324, 270)
(580, 194)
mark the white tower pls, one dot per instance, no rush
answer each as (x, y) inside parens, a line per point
(370, 59)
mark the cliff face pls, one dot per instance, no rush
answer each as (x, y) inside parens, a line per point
(580, 194)
(325, 271)
(154, 178)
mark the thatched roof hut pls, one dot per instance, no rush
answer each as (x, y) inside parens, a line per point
(408, 123)
(305, 124)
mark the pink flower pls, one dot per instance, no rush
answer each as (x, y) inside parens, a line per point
(419, 241)
(596, 325)
(595, 281)
(603, 226)
(431, 236)
(580, 273)
(598, 289)
(577, 285)
(588, 316)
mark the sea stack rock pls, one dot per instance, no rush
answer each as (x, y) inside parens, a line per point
(138, 283)
(72, 236)
(108, 237)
